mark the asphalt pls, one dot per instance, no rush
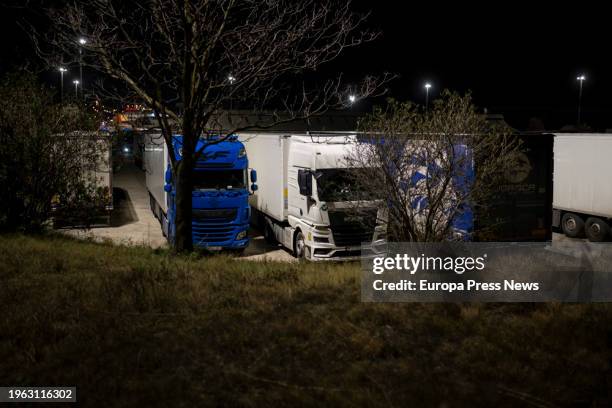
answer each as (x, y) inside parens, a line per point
(133, 223)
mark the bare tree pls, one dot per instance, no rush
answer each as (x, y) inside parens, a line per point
(433, 169)
(188, 59)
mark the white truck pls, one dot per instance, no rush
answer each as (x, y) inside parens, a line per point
(302, 202)
(582, 185)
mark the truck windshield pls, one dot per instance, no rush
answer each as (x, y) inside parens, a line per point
(219, 179)
(338, 185)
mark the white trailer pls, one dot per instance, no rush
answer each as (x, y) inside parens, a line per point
(294, 204)
(155, 162)
(582, 185)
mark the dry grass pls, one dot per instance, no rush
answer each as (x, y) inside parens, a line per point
(136, 327)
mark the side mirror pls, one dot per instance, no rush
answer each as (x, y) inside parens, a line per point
(254, 187)
(305, 182)
(167, 188)
(253, 176)
(168, 176)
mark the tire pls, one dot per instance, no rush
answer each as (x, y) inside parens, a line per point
(596, 229)
(572, 225)
(269, 233)
(299, 245)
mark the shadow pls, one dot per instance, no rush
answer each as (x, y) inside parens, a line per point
(123, 212)
(259, 247)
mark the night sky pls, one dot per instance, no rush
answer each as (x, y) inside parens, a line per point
(518, 59)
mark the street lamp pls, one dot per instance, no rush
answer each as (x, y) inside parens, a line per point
(76, 88)
(82, 41)
(62, 70)
(231, 79)
(352, 99)
(427, 86)
(581, 79)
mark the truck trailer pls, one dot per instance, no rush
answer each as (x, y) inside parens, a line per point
(301, 199)
(220, 191)
(520, 206)
(582, 191)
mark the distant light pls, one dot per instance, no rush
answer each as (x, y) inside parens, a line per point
(82, 41)
(231, 79)
(352, 98)
(581, 78)
(62, 69)
(427, 85)
(76, 82)
(126, 149)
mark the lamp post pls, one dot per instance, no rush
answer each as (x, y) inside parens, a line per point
(62, 70)
(427, 86)
(82, 42)
(231, 79)
(76, 88)
(581, 79)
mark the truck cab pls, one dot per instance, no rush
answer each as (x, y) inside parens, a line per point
(220, 218)
(320, 206)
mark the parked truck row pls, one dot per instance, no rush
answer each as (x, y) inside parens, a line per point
(562, 181)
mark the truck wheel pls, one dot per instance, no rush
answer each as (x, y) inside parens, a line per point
(268, 233)
(597, 230)
(299, 245)
(572, 225)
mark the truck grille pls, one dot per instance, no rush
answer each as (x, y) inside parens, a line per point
(350, 229)
(213, 225)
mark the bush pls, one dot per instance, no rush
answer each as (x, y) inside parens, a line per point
(39, 160)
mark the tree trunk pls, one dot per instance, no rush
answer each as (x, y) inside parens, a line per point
(183, 241)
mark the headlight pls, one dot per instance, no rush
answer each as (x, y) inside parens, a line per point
(242, 152)
(241, 235)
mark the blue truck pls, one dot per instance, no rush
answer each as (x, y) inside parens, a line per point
(220, 217)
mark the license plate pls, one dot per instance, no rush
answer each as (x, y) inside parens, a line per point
(214, 248)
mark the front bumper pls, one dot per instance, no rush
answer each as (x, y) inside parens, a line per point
(204, 240)
(330, 252)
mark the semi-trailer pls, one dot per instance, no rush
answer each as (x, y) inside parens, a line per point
(220, 217)
(303, 200)
(582, 198)
(520, 204)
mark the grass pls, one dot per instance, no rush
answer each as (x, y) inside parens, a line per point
(131, 326)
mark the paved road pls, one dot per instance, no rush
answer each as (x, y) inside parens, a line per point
(133, 223)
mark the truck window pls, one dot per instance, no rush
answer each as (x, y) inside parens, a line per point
(219, 179)
(338, 185)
